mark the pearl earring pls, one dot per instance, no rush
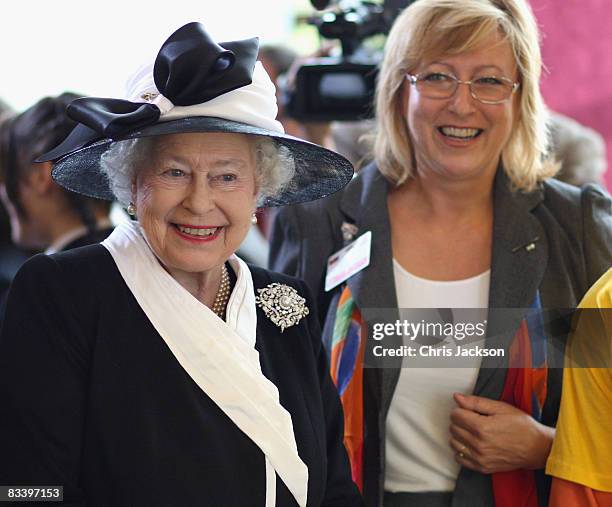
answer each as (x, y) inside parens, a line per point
(253, 218)
(131, 209)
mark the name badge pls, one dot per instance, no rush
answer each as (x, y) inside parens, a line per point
(348, 261)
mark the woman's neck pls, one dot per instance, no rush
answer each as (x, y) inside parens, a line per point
(442, 230)
(441, 198)
(203, 286)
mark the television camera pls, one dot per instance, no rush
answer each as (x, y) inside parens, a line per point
(342, 88)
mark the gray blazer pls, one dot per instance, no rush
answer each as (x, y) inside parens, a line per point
(571, 229)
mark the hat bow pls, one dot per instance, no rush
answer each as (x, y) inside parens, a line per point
(189, 69)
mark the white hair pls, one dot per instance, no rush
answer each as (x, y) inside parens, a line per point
(274, 166)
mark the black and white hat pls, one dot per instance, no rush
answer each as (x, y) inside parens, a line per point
(195, 85)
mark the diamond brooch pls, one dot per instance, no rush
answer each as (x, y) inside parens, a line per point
(282, 305)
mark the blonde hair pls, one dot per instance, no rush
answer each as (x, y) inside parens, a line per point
(429, 28)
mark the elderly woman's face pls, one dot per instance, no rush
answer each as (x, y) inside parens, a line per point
(195, 198)
(460, 137)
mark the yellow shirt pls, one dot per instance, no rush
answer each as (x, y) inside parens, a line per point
(582, 449)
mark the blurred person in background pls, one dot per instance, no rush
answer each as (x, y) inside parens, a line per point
(277, 60)
(580, 150)
(6, 246)
(44, 215)
(463, 213)
(5, 111)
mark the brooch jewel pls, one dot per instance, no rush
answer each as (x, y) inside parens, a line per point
(282, 305)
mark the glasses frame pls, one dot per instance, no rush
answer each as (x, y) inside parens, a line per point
(414, 78)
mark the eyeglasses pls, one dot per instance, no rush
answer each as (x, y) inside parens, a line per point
(486, 89)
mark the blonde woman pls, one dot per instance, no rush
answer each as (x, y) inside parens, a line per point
(463, 214)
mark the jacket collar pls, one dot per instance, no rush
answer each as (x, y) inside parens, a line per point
(364, 203)
(518, 263)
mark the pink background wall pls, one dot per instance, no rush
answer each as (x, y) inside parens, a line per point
(577, 50)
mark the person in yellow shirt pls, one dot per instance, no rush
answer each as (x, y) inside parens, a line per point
(581, 457)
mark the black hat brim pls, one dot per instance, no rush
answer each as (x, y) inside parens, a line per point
(319, 172)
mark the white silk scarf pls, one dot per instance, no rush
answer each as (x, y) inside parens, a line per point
(219, 356)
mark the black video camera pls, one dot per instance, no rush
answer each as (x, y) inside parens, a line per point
(342, 88)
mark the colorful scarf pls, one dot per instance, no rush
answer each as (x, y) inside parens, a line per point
(346, 367)
(525, 388)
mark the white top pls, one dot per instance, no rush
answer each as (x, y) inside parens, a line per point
(418, 453)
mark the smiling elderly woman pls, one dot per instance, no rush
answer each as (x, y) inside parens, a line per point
(170, 180)
(158, 368)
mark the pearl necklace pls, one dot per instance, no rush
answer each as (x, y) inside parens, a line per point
(223, 293)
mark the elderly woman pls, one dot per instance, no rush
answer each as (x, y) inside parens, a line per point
(462, 214)
(158, 368)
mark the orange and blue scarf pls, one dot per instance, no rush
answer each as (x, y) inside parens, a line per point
(524, 387)
(346, 367)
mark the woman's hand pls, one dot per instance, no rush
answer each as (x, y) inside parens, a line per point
(491, 436)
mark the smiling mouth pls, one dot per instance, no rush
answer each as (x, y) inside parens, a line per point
(464, 134)
(198, 232)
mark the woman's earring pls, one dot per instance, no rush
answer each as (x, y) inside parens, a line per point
(253, 218)
(131, 209)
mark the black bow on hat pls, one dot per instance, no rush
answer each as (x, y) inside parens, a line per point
(190, 69)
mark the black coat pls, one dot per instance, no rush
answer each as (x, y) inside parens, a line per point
(91, 398)
(89, 238)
